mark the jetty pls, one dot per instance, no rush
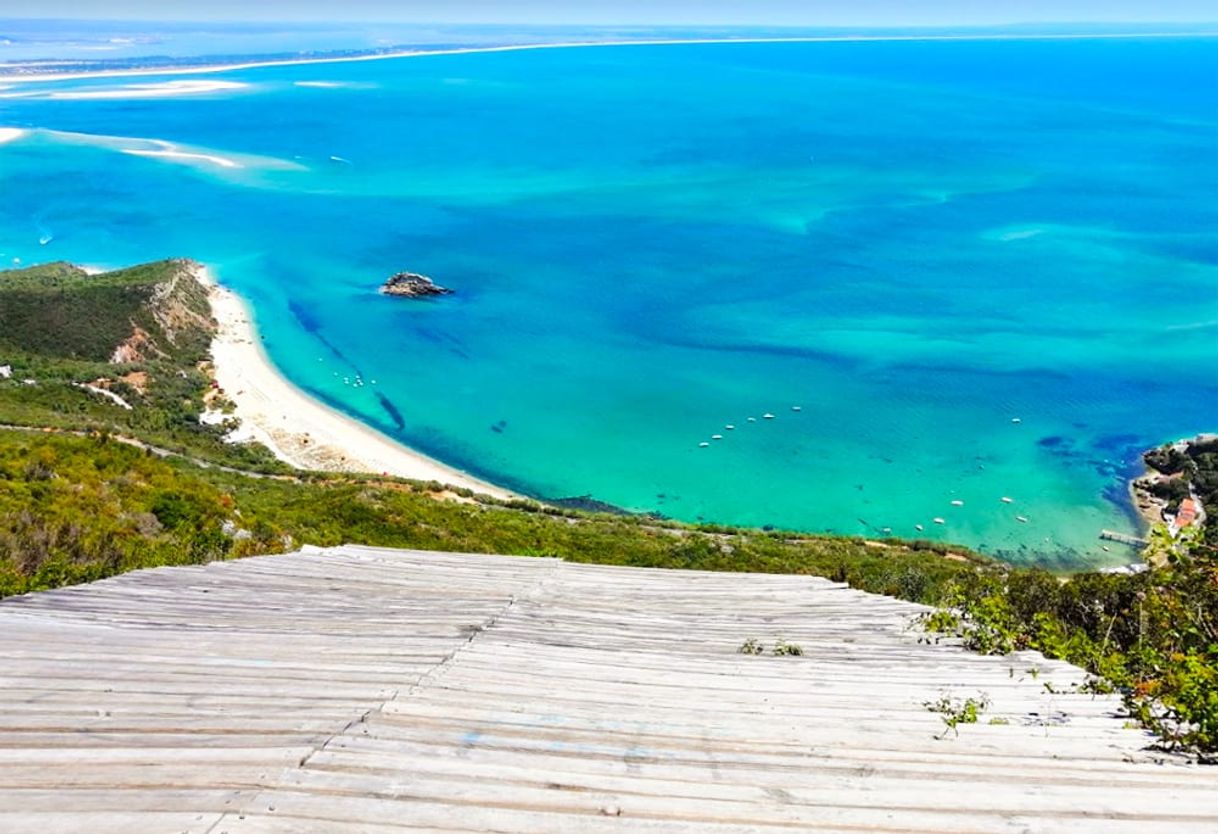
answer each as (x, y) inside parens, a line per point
(1123, 538)
(365, 690)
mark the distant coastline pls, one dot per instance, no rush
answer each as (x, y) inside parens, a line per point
(7, 76)
(300, 430)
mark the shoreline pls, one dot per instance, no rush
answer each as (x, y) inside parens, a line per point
(416, 53)
(300, 430)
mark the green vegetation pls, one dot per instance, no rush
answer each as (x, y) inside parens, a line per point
(79, 501)
(781, 649)
(1153, 636)
(143, 334)
(76, 509)
(1189, 468)
(955, 712)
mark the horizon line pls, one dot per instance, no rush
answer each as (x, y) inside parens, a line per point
(397, 53)
(621, 23)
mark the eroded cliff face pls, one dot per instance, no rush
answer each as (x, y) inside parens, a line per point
(175, 317)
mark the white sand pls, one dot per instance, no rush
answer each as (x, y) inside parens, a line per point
(164, 89)
(8, 134)
(221, 161)
(300, 430)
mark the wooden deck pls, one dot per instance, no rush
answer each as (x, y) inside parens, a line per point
(363, 690)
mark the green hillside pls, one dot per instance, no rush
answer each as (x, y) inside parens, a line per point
(142, 334)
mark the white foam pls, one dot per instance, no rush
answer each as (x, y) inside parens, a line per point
(10, 134)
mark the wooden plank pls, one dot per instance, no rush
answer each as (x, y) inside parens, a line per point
(363, 689)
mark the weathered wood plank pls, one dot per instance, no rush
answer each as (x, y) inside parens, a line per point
(362, 689)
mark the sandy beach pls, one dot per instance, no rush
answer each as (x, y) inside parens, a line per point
(419, 53)
(300, 430)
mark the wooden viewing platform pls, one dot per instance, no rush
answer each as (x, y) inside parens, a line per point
(364, 690)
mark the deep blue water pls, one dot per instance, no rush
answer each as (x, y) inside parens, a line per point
(916, 243)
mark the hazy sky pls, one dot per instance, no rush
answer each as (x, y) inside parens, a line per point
(691, 12)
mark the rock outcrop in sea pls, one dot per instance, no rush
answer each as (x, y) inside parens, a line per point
(413, 285)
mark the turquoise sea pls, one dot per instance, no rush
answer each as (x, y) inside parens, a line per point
(917, 243)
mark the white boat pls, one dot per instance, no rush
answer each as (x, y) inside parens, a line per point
(768, 416)
(1006, 500)
(939, 520)
(797, 408)
(716, 437)
(730, 427)
(1016, 420)
(919, 527)
(752, 419)
(957, 503)
(703, 444)
(1022, 519)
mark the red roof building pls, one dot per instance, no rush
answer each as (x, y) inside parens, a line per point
(1187, 513)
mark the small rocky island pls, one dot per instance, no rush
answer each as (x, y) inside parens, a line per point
(413, 285)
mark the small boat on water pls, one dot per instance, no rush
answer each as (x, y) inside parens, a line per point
(1022, 519)
(919, 527)
(797, 408)
(1016, 420)
(957, 503)
(1006, 500)
(730, 427)
(703, 444)
(768, 416)
(939, 520)
(716, 437)
(45, 239)
(752, 419)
